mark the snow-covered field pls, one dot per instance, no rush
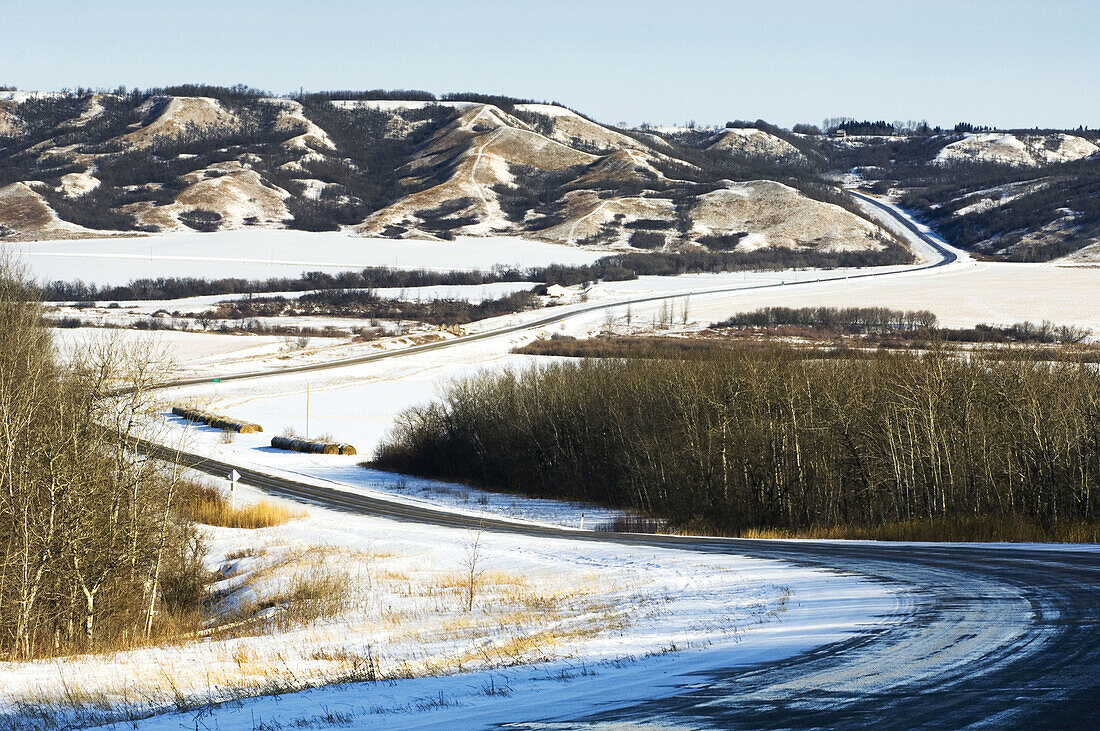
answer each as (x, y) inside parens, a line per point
(961, 296)
(358, 405)
(589, 616)
(188, 350)
(473, 293)
(263, 253)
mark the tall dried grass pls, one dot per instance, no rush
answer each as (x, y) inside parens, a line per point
(208, 505)
(989, 528)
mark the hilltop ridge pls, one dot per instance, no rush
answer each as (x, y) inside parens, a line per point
(410, 165)
(205, 159)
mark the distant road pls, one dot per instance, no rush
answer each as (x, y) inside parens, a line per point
(946, 256)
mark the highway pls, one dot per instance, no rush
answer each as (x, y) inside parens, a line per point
(946, 257)
(997, 636)
(1007, 636)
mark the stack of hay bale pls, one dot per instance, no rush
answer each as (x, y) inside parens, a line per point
(218, 422)
(310, 446)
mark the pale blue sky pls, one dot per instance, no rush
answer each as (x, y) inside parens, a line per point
(1003, 62)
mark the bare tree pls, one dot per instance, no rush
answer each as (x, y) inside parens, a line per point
(472, 570)
(87, 524)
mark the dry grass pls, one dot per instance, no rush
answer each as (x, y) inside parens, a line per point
(314, 596)
(1008, 529)
(296, 615)
(207, 505)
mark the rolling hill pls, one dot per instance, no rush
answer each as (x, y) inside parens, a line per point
(1020, 195)
(206, 159)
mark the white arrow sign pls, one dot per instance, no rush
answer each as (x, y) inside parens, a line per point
(234, 475)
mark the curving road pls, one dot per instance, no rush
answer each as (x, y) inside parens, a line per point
(997, 636)
(1001, 636)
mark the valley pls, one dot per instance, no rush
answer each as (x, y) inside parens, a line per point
(332, 265)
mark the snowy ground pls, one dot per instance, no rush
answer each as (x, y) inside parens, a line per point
(189, 350)
(357, 406)
(960, 295)
(728, 610)
(588, 615)
(263, 253)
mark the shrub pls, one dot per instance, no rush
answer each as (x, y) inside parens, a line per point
(647, 240)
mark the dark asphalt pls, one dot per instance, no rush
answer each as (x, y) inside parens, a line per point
(1001, 638)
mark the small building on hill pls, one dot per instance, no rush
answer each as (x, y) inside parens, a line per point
(558, 292)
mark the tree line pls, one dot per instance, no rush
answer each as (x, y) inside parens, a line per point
(176, 287)
(368, 304)
(744, 440)
(837, 319)
(617, 267)
(914, 324)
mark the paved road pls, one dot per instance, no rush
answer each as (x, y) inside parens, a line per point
(997, 636)
(1002, 636)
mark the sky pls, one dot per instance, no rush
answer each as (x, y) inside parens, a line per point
(1006, 63)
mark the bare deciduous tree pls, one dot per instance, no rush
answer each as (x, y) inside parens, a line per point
(89, 530)
(472, 570)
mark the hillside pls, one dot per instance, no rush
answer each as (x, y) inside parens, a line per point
(1015, 195)
(1034, 150)
(206, 159)
(751, 141)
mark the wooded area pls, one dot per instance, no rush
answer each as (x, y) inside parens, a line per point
(93, 551)
(749, 440)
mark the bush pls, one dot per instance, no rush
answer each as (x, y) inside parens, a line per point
(647, 240)
(722, 242)
(201, 219)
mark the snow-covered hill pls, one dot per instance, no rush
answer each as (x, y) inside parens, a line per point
(1028, 150)
(751, 141)
(139, 163)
